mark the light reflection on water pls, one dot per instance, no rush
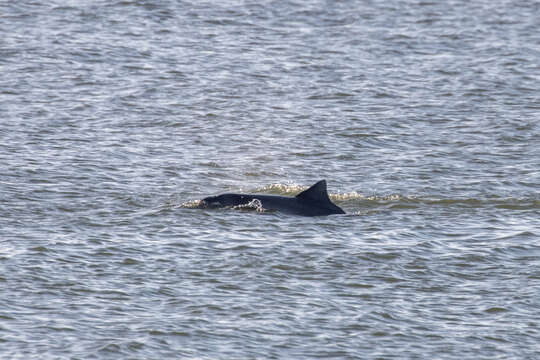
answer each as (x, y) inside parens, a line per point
(118, 118)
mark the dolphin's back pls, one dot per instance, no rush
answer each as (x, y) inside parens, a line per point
(311, 202)
(294, 205)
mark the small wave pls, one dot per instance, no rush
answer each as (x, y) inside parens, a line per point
(192, 204)
(411, 201)
(503, 203)
(347, 196)
(281, 189)
(254, 204)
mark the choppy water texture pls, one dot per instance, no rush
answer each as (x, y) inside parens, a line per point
(117, 116)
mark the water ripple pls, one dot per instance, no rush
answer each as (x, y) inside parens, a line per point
(119, 116)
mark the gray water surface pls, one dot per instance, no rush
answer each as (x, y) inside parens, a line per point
(118, 116)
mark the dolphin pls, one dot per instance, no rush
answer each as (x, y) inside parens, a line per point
(311, 202)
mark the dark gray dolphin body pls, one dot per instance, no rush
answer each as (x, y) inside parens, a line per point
(311, 202)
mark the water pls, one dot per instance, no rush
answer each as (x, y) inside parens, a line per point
(117, 116)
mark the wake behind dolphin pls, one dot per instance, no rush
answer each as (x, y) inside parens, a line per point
(311, 202)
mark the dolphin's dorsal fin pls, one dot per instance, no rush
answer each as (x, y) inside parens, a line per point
(316, 192)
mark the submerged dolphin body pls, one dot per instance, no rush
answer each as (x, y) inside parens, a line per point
(311, 202)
